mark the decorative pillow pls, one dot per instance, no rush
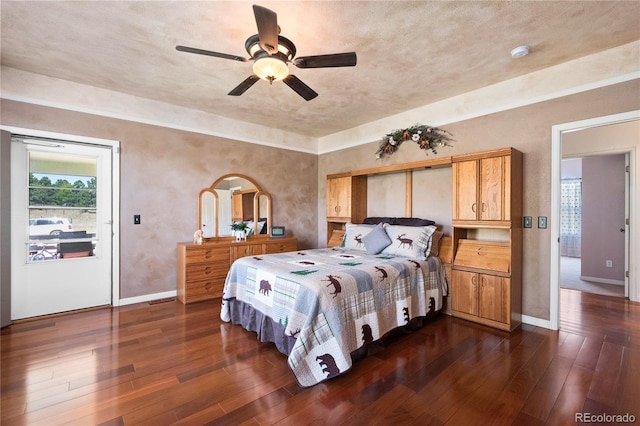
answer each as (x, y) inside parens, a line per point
(376, 240)
(410, 241)
(262, 227)
(354, 234)
(249, 229)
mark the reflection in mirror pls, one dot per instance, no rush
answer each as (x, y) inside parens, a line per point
(264, 213)
(235, 202)
(233, 198)
(207, 213)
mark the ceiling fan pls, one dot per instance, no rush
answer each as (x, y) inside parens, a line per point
(271, 52)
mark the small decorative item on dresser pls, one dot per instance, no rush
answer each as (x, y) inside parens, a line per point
(278, 232)
(197, 237)
(239, 230)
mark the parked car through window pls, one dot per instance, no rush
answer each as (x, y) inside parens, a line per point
(49, 226)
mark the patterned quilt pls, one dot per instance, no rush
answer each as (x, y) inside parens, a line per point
(329, 302)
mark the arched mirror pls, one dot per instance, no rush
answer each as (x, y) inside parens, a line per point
(230, 199)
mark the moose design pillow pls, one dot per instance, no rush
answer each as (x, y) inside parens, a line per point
(354, 235)
(410, 241)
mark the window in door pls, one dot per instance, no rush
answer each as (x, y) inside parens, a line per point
(61, 207)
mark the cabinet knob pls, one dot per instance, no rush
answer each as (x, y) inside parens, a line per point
(473, 207)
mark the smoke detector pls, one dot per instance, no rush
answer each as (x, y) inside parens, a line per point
(520, 51)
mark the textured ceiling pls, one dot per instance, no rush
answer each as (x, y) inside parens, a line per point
(409, 53)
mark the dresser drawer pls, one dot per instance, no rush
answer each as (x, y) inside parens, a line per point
(200, 271)
(204, 289)
(281, 247)
(204, 254)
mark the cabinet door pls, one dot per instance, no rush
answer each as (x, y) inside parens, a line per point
(494, 298)
(464, 292)
(465, 190)
(339, 197)
(493, 188)
(245, 250)
(236, 207)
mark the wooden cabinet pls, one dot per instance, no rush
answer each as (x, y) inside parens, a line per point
(347, 198)
(483, 186)
(483, 296)
(486, 278)
(203, 268)
(346, 201)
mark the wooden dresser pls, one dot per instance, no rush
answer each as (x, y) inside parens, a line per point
(202, 268)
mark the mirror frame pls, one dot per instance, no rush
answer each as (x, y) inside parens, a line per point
(256, 207)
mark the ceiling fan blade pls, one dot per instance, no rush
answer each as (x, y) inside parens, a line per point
(299, 87)
(348, 59)
(267, 22)
(210, 53)
(242, 87)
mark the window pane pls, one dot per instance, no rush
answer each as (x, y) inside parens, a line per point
(62, 206)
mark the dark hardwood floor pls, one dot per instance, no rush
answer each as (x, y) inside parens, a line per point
(168, 363)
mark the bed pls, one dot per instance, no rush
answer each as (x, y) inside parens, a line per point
(324, 308)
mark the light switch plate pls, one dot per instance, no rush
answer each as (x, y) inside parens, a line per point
(527, 222)
(542, 222)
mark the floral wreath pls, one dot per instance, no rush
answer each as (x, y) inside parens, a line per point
(427, 137)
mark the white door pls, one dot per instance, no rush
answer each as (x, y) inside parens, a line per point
(61, 222)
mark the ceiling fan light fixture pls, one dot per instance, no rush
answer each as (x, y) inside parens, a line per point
(270, 68)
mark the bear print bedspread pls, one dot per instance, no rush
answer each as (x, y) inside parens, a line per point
(320, 305)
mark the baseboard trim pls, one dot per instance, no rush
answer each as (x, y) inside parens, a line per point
(601, 280)
(146, 298)
(538, 322)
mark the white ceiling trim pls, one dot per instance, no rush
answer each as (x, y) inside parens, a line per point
(605, 68)
(23, 86)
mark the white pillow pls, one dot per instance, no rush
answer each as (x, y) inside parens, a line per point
(410, 241)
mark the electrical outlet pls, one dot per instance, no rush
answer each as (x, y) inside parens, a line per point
(136, 219)
(542, 222)
(609, 264)
(527, 222)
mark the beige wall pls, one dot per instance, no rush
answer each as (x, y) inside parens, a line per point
(162, 171)
(527, 129)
